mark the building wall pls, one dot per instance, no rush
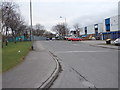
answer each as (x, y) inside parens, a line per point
(118, 22)
(114, 28)
(110, 28)
(82, 31)
(114, 23)
(90, 29)
(119, 15)
(100, 27)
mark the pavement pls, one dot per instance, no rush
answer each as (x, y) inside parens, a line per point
(37, 67)
(98, 42)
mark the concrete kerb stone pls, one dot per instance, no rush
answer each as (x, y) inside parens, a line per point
(51, 78)
(103, 46)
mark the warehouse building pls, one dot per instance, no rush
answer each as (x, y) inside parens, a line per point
(119, 16)
(108, 29)
(92, 31)
(111, 28)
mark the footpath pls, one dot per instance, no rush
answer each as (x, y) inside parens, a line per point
(101, 43)
(36, 71)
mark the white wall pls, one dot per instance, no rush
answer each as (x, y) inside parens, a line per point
(119, 22)
(100, 27)
(114, 23)
(104, 27)
(90, 29)
(119, 15)
(82, 31)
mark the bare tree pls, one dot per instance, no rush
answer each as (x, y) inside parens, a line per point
(39, 27)
(61, 29)
(39, 30)
(77, 29)
(49, 34)
(11, 19)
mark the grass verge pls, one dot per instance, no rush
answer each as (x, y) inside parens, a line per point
(13, 54)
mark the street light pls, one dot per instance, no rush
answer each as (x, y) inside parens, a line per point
(64, 24)
(65, 19)
(31, 31)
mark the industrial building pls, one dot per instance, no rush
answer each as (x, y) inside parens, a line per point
(108, 29)
(111, 28)
(94, 30)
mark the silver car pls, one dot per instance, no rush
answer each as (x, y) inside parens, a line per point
(117, 41)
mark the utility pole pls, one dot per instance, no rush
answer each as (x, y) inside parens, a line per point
(31, 31)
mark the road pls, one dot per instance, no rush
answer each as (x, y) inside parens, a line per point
(97, 65)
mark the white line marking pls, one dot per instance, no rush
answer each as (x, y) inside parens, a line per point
(79, 51)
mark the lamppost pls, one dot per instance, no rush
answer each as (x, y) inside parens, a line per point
(64, 18)
(31, 31)
(64, 24)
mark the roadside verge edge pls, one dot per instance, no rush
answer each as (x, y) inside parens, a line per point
(49, 81)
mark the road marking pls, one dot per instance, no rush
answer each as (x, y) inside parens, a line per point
(76, 44)
(80, 51)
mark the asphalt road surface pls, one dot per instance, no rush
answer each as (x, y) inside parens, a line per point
(97, 65)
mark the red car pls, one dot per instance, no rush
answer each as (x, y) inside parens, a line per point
(74, 39)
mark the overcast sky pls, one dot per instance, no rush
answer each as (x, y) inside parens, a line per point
(84, 12)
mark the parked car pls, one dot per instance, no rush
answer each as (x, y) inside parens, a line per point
(47, 38)
(53, 38)
(117, 41)
(59, 38)
(66, 37)
(74, 39)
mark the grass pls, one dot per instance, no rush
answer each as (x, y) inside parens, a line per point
(13, 54)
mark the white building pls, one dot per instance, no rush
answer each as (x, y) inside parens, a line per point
(119, 15)
(91, 29)
(111, 24)
(114, 23)
(111, 28)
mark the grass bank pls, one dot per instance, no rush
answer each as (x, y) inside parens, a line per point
(13, 54)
